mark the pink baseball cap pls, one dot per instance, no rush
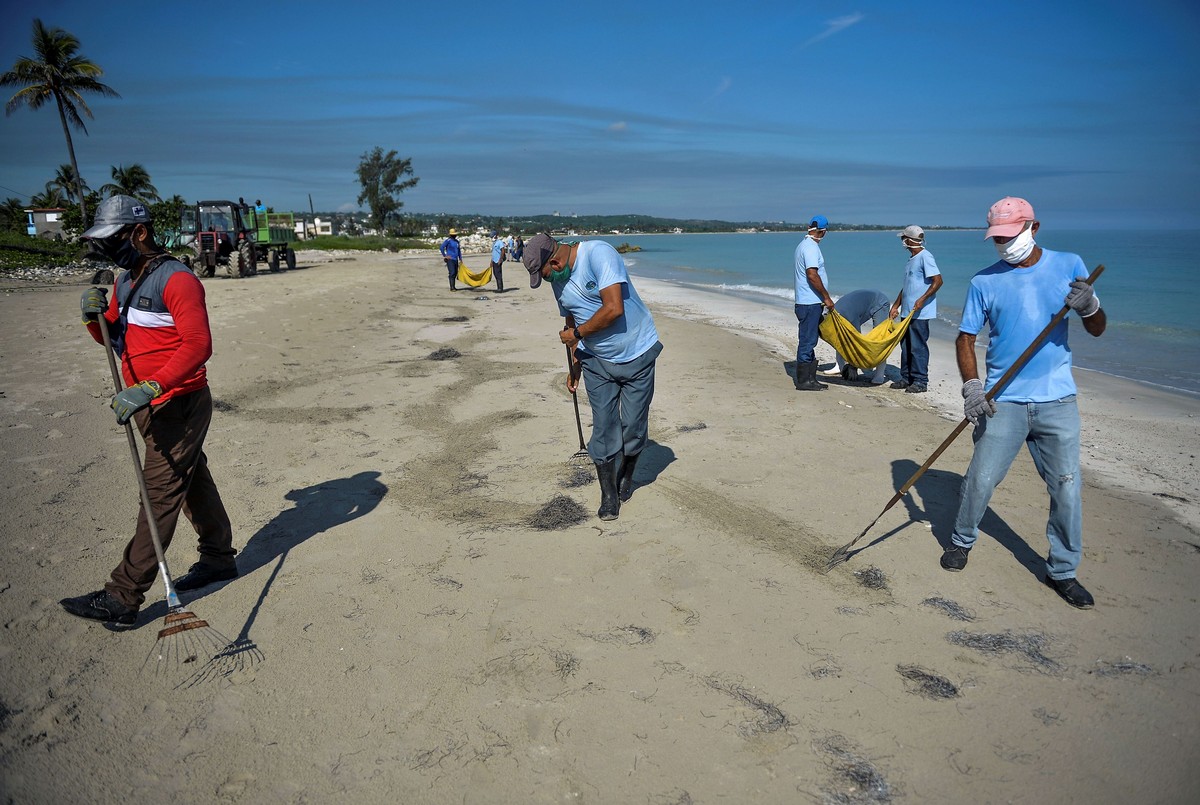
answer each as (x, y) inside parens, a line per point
(1008, 217)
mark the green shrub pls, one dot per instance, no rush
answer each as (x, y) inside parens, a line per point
(367, 243)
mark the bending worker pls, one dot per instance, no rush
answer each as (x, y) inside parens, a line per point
(613, 343)
(858, 308)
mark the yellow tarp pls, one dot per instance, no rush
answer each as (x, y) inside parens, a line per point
(864, 350)
(474, 280)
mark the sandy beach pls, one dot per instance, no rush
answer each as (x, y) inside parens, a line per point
(409, 631)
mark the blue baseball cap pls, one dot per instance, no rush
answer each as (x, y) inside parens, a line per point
(819, 222)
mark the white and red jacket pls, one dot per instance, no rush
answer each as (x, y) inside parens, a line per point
(167, 338)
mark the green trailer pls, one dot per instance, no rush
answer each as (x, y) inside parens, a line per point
(274, 234)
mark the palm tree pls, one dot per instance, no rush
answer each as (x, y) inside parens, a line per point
(69, 183)
(12, 215)
(132, 181)
(58, 72)
(48, 199)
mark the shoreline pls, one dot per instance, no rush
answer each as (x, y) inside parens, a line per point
(1136, 436)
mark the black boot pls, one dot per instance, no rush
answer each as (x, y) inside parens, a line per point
(610, 504)
(806, 377)
(625, 484)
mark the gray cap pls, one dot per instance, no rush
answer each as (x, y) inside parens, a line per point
(537, 251)
(115, 213)
(913, 232)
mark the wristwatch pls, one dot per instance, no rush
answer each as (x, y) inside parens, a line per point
(578, 337)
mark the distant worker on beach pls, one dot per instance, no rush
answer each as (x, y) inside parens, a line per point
(159, 325)
(614, 345)
(451, 253)
(858, 308)
(921, 282)
(499, 254)
(811, 298)
(1017, 297)
(518, 248)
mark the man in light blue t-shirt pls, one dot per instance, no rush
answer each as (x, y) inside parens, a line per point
(811, 300)
(613, 343)
(499, 253)
(1016, 298)
(921, 282)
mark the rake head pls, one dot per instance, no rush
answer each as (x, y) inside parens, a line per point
(234, 657)
(184, 639)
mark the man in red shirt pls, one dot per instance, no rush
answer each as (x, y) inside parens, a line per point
(159, 326)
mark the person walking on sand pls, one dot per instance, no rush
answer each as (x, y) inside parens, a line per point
(614, 345)
(451, 253)
(858, 308)
(1015, 297)
(499, 254)
(919, 293)
(159, 326)
(811, 298)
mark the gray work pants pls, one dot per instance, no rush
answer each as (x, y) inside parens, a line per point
(620, 395)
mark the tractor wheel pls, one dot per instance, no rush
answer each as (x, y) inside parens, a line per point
(290, 257)
(241, 262)
(273, 261)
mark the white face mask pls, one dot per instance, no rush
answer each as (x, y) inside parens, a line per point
(912, 244)
(1017, 249)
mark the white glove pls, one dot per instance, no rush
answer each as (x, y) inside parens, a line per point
(975, 401)
(1082, 299)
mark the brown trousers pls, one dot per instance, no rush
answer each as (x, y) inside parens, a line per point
(178, 479)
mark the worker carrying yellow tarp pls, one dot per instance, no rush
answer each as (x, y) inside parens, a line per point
(864, 350)
(474, 280)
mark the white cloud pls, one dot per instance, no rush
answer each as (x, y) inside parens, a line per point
(836, 25)
(620, 125)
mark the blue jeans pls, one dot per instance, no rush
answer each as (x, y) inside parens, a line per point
(1051, 432)
(914, 353)
(620, 395)
(809, 317)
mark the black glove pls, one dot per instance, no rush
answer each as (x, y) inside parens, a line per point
(1082, 299)
(975, 401)
(133, 399)
(93, 303)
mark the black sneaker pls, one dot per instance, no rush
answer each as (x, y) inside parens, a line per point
(1072, 592)
(201, 575)
(899, 384)
(955, 558)
(100, 606)
(916, 388)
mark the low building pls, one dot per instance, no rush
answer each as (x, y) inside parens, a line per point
(45, 222)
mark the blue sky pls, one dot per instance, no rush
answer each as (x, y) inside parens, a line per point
(867, 112)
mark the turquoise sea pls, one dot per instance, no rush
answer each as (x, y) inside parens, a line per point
(1153, 334)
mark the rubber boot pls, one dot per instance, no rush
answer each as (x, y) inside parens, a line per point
(625, 483)
(806, 377)
(610, 504)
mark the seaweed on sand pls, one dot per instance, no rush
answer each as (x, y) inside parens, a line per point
(580, 476)
(1122, 668)
(560, 512)
(1030, 645)
(872, 578)
(690, 428)
(952, 609)
(769, 719)
(444, 354)
(926, 683)
(859, 780)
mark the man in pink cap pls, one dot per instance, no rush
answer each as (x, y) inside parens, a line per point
(1016, 297)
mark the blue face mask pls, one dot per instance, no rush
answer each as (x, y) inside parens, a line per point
(120, 250)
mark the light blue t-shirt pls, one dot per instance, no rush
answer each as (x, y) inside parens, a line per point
(919, 272)
(597, 266)
(808, 255)
(497, 247)
(1016, 304)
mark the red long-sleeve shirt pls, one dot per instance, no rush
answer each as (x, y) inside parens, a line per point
(167, 336)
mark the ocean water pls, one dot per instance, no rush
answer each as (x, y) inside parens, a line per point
(1153, 333)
